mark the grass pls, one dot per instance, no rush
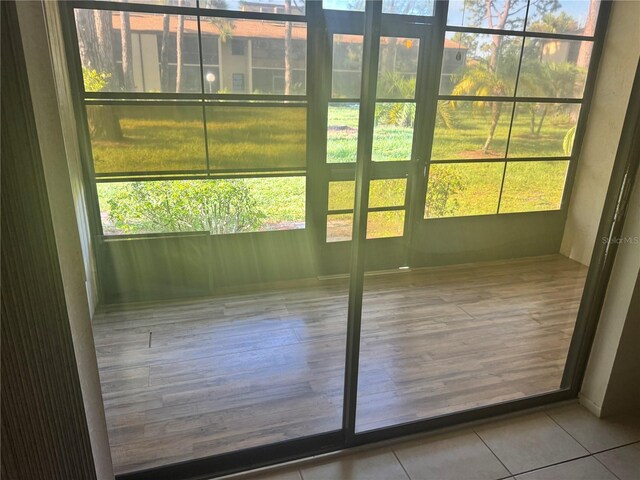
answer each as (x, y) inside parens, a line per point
(167, 138)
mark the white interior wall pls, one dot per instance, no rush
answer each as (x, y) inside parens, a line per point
(609, 104)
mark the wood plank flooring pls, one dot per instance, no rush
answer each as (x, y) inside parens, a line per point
(188, 379)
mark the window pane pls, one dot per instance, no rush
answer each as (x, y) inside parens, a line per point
(393, 132)
(387, 192)
(140, 58)
(146, 138)
(347, 66)
(397, 67)
(503, 14)
(295, 7)
(342, 132)
(407, 7)
(471, 130)
(256, 137)
(533, 186)
(182, 3)
(339, 227)
(351, 5)
(479, 64)
(456, 190)
(215, 206)
(385, 224)
(543, 129)
(554, 68)
(341, 195)
(253, 55)
(577, 17)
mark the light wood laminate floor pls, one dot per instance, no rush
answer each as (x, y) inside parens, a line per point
(183, 380)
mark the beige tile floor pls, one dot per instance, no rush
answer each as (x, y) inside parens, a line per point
(559, 443)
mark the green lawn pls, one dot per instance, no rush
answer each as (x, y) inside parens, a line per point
(168, 138)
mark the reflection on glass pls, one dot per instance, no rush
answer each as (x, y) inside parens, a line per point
(181, 3)
(397, 67)
(406, 7)
(218, 206)
(138, 52)
(543, 130)
(393, 131)
(479, 64)
(497, 14)
(295, 7)
(342, 132)
(149, 138)
(385, 224)
(254, 58)
(339, 227)
(554, 68)
(341, 195)
(256, 137)
(471, 130)
(387, 193)
(461, 189)
(347, 66)
(575, 17)
(533, 186)
(350, 5)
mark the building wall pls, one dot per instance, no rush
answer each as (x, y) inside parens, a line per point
(611, 96)
(49, 86)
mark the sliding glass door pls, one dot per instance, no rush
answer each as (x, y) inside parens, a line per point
(320, 224)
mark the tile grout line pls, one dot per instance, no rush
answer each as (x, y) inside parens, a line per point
(401, 464)
(605, 467)
(566, 431)
(492, 452)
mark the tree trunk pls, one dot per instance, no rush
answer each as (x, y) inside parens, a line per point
(179, 39)
(496, 109)
(544, 114)
(164, 54)
(287, 50)
(127, 65)
(103, 123)
(87, 39)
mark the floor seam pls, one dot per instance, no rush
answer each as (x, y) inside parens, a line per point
(605, 467)
(567, 432)
(493, 453)
(401, 464)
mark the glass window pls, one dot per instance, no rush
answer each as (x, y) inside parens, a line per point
(146, 138)
(397, 67)
(393, 131)
(408, 7)
(456, 190)
(554, 68)
(575, 17)
(471, 130)
(347, 66)
(497, 14)
(339, 227)
(385, 224)
(350, 5)
(182, 3)
(387, 193)
(341, 195)
(138, 52)
(543, 129)
(293, 7)
(342, 132)
(217, 206)
(245, 138)
(533, 186)
(479, 64)
(254, 50)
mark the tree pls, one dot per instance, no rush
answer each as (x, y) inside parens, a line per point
(127, 65)
(221, 206)
(96, 55)
(287, 49)
(444, 184)
(179, 41)
(164, 53)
